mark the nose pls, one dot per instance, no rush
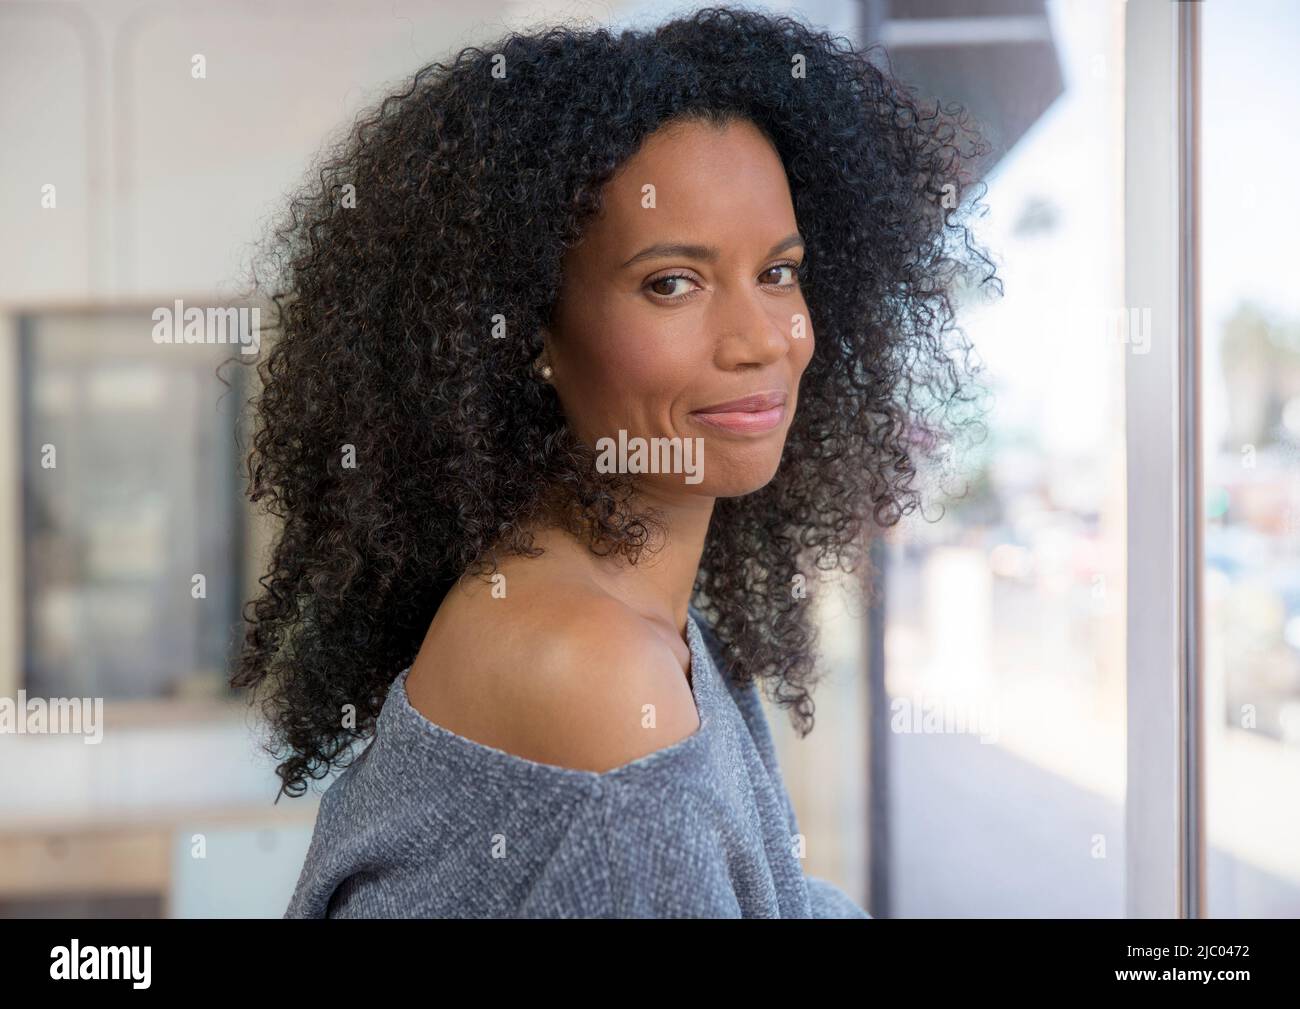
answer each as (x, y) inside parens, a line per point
(750, 330)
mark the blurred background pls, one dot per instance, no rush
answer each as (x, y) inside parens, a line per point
(969, 753)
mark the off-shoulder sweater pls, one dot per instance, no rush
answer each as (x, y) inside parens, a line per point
(428, 823)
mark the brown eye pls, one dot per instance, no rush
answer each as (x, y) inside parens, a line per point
(793, 274)
(658, 285)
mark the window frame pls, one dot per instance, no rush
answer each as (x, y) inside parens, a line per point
(1165, 764)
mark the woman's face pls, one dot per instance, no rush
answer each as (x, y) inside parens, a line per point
(682, 297)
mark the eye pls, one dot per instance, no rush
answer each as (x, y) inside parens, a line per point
(675, 282)
(792, 274)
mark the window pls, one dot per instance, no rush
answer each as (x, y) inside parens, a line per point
(1004, 630)
(1251, 457)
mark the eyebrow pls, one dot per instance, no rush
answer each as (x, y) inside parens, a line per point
(708, 253)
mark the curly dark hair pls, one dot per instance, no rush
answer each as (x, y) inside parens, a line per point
(468, 188)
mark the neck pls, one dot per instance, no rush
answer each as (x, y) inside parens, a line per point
(660, 584)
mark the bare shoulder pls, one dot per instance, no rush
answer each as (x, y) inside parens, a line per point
(574, 678)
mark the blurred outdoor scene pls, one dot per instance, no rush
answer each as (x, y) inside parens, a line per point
(1006, 619)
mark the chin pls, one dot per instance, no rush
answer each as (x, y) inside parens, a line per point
(740, 480)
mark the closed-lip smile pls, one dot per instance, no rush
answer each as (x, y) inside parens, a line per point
(755, 413)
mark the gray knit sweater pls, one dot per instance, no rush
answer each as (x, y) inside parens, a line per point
(428, 823)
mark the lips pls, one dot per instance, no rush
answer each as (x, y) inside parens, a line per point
(752, 414)
(755, 403)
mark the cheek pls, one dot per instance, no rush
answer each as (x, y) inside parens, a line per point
(650, 359)
(802, 350)
(803, 346)
(797, 323)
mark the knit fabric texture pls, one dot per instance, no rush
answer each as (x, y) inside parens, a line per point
(427, 823)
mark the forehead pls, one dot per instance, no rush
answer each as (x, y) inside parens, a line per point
(724, 184)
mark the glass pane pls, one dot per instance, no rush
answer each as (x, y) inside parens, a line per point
(1251, 427)
(1004, 644)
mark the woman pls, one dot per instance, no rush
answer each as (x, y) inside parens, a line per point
(593, 350)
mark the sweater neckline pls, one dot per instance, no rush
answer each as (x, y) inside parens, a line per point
(400, 717)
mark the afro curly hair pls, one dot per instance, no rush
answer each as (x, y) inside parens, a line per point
(448, 207)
